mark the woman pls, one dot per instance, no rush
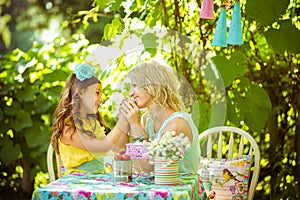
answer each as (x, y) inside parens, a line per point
(155, 88)
(80, 136)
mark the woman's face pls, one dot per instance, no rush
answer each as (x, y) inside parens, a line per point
(91, 98)
(140, 96)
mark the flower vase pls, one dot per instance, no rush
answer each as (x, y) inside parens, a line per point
(165, 172)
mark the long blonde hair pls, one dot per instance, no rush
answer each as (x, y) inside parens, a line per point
(67, 111)
(160, 82)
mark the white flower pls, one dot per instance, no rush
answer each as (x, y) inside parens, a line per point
(169, 146)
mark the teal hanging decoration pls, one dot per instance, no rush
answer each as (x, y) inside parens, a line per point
(220, 38)
(235, 35)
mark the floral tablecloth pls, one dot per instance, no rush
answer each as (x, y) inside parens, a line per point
(100, 186)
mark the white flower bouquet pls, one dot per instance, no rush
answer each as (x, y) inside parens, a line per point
(169, 146)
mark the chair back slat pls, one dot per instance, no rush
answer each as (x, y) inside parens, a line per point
(209, 147)
(50, 163)
(223, 132)
(241, 146)
(220, 146)
(51, 171)
(230, 150)
(250, 152)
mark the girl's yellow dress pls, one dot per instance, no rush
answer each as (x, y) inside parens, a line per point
(79, 160)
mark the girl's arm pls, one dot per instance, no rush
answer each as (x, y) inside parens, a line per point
(115, 140)
(131, 111)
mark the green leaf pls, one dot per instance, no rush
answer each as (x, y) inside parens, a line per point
(23, 120)
(9, 151)
(13, 109)
(289, 38)
(102, 3)
(150, 41)
(266, 12)
(224, 69)
(26, 94)
(112, 29)
(249, 103)
(232, 114)
(218, 113)
(259, 108)
(41, 104)
(232, 68)
(201, 114)
(55, 75)
(36, 135)
(5, 32)
(238, 63)
(115, 5)
(54, 91)
(259, 96)
(256, 107)
(7, 88)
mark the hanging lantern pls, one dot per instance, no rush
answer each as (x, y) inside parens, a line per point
(220, 38)
(207, 9)
(235, 35)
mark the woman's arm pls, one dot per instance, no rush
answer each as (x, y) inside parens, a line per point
(179, 125)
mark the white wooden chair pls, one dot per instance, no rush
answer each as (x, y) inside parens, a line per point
(50, 166)
(235, 147)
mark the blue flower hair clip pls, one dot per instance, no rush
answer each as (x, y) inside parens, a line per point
(84, 71)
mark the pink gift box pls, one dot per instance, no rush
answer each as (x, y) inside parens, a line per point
(137, 150)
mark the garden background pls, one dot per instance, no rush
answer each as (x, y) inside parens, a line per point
(41, 41)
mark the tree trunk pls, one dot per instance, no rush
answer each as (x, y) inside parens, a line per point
(27, 184)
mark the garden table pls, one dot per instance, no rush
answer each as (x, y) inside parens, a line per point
(101, 186)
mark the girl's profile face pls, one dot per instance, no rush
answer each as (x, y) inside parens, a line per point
(140, 96)
(91, 98)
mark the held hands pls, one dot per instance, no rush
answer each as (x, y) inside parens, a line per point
(128, 115)
(130, 111)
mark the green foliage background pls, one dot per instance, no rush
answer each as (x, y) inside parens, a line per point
(260, 78)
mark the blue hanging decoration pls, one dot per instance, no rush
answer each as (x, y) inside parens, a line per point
(220, 38)
(235, 35)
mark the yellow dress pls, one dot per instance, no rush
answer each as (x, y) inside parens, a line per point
(79, 160)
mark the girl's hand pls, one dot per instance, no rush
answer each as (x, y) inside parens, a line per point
(130, 110)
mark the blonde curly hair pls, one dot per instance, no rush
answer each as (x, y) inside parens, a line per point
(160, 82)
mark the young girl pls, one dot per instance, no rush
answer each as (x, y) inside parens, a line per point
(80, 136)
(155, 88)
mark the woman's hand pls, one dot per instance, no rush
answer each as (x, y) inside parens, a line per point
(142, 165)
